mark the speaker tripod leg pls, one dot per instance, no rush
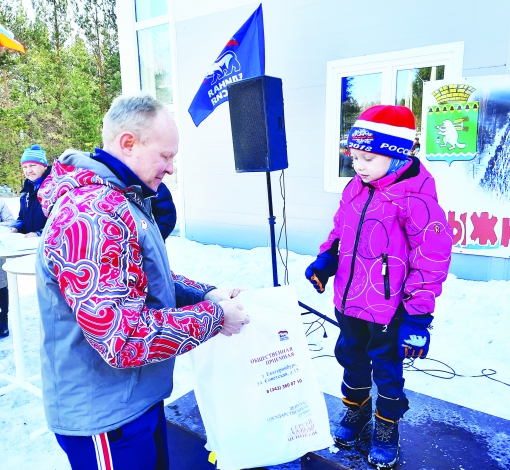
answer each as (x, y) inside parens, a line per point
(272, 221)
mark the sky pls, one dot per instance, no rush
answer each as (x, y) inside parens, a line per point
(470, 334)
(27, 4)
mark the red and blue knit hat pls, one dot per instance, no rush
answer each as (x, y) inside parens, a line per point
(34, 154)
(384, 129)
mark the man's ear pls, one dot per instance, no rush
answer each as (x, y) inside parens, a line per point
(126, 141)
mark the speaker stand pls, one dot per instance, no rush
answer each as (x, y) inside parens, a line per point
(272, 221)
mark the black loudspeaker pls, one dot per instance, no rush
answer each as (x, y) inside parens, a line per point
(258, 124)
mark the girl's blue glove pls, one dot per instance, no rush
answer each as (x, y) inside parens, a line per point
(325, 266)
(414, 336)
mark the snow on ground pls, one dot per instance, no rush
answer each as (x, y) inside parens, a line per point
(470, 334)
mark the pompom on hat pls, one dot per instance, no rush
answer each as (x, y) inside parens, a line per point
(34, 154)
(384, 129)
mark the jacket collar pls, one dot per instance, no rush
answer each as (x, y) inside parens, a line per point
(123, 173)
(393, 177)
(409, 170)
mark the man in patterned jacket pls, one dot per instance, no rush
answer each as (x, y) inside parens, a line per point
(113, 314)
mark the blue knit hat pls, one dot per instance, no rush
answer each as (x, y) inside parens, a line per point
(34, 154)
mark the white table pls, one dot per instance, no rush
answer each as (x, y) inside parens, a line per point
(18, 262)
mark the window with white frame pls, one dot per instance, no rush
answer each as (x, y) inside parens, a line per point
(355, 84)
(155, 61)
(155, 47)
(149, 49)
(147, 9)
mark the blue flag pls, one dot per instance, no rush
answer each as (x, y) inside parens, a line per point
(243, 57)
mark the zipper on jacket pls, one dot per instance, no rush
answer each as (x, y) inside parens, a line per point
(386, 275)
(355, 250)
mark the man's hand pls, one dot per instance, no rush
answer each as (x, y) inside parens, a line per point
(217, 295)
(14, 230)
(31, 234)
(413, 336)
(234, 317)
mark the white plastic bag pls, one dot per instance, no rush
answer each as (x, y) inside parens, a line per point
(257, 391)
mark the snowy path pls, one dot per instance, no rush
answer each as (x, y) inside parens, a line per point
(470, 334)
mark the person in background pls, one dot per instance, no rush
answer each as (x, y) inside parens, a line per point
(389, 250)
(6, 220)
(415, 149)
(113, 314)
(163, 210)
(31, 219)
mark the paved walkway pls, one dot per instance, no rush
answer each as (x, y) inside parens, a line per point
(435, 435)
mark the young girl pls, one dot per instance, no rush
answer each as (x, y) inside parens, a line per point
(389, 251)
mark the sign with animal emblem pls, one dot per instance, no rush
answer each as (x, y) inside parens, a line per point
(452, 125)
(466, 147)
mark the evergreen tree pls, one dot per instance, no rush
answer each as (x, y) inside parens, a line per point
(98, 24)
(56, 94)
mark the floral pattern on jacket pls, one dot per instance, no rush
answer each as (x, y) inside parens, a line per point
(94, 247)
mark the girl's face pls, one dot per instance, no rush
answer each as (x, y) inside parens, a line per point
(369, 166)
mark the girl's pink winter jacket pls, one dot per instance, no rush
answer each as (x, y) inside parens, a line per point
(395, 245)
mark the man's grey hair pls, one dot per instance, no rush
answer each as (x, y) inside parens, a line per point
(132, 114)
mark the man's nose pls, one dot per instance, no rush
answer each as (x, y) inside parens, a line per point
(170, 168)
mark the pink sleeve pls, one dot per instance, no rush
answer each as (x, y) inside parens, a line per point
(97, 261)
(430, 237)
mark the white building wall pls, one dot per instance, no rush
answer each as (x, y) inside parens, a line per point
(301, 37)
(223, 207)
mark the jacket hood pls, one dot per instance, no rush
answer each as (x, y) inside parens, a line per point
(72, 170)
